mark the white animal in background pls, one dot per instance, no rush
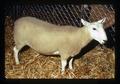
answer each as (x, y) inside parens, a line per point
(49, 39)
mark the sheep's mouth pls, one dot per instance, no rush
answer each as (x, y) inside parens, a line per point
(102, 41)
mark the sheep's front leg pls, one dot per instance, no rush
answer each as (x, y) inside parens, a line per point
(63, 62)
(63, 65)
(16, 55)
(70, 63)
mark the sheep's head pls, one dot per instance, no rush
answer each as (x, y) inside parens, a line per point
(96, 30)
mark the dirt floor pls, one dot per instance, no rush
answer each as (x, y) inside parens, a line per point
(98, 63)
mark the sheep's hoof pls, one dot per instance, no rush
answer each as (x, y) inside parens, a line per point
(63, 72)
(71, 69)
(17, 63)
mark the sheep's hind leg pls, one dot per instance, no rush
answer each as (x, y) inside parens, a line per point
(16, 55)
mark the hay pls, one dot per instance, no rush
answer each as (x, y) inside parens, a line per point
(96, 64)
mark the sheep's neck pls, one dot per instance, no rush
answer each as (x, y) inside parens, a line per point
(85, 37)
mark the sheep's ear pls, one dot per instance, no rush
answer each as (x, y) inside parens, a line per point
(84, 22)
(102, 20)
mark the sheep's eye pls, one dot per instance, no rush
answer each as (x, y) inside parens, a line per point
(94, 28)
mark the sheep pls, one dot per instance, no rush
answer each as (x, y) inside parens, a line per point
(50, 39)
